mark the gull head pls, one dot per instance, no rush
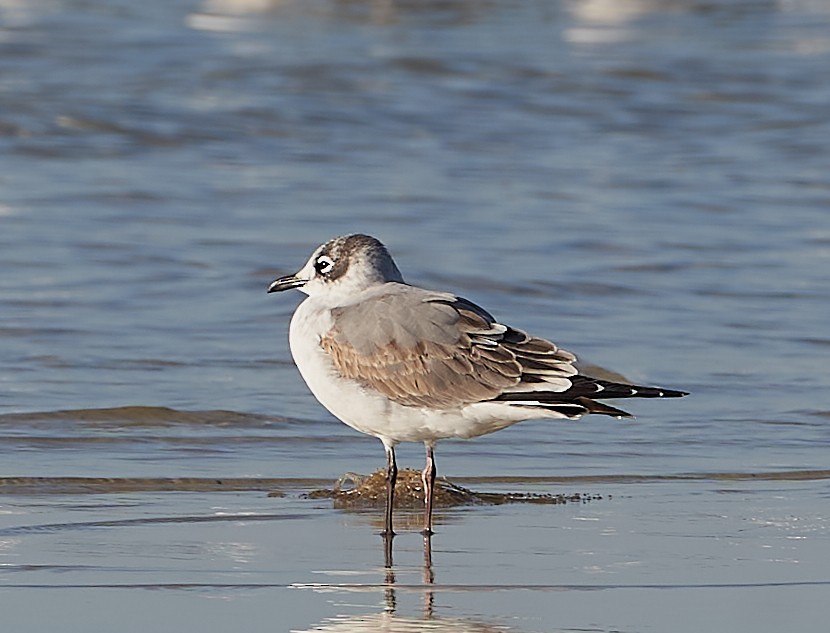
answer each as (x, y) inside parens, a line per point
(342, 266)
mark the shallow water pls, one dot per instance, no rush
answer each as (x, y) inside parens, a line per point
(647, 184)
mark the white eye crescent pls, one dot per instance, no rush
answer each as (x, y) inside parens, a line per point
(323, 265)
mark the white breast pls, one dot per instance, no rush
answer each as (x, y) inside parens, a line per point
(369, 411)
(343, 398)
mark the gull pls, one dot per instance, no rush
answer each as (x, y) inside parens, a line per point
(406, 364)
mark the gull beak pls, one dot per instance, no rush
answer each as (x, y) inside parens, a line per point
(286, 283)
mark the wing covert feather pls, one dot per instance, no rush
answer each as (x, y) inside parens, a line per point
(433, 349)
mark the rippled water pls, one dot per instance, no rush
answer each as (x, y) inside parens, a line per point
(646, 183)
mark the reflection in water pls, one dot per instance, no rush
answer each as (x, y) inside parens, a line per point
(427, 578)
(389, 621)
(389, 573)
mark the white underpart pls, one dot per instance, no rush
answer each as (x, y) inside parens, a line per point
(369, 411)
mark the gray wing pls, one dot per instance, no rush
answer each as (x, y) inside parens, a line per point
(421, 348)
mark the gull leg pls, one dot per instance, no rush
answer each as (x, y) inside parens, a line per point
(428, 478)
(391, 477)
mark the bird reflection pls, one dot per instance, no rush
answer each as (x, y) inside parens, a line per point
(389, 573)
(427, 578)
(390, 621)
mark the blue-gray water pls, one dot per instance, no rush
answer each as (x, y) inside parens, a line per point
(647, 183)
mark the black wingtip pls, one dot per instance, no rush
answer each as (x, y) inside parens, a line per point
(637, 391)
(592, 406)
(672, 393)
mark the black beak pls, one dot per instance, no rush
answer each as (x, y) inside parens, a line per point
(286, 283)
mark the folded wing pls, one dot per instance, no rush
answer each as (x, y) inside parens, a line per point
(427, 349)
(421, 348)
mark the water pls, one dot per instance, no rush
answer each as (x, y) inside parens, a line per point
(646, 184)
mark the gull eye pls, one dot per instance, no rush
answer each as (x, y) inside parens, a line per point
(323, 265)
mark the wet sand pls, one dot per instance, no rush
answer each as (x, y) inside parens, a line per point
(681, 554)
